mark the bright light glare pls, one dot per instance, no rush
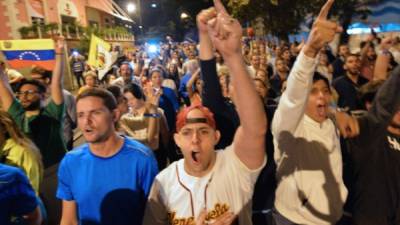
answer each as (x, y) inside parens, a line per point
(184, 15)
(152, 48)
(131, 7)
(154, 5)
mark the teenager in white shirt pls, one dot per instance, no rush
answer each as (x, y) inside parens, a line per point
(307, 149)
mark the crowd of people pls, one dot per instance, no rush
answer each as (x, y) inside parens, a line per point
(229, 130)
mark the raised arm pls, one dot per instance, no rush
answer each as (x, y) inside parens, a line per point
(212, 94)
(299, 83)
(152, 102)
(249, 140)
(364, 51)
(6, 93)
(57, 78)
(189, 84)
(387, 100)
(206, 45)
(383, 59)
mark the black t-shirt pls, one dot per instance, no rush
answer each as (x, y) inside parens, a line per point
(348, 92)
(338, 69)
(376, 175)
(375, 156)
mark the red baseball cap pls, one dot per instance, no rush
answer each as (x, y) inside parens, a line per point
(182, 120)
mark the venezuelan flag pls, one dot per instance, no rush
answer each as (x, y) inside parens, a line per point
(28, 53)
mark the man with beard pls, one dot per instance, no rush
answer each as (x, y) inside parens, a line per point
(276, 81)
(338, 63)
(347, 86)
(42, 124)
(126, 76)
(368, 58)
(69, 120)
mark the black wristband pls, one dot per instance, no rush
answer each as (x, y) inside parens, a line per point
(154, 115)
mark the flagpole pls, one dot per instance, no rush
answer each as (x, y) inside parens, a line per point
(68, 82)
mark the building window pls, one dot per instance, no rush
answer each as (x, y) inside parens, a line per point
(68, 20)
(93, 23)
(37, 21)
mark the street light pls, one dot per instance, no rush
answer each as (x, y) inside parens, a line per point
(154, 5)
(184, 16)
(131, 7)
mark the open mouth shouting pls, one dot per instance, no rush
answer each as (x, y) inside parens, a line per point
(195, 156)
(88, 130)
(322, 109)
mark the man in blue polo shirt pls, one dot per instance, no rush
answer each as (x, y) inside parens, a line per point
(107, 180)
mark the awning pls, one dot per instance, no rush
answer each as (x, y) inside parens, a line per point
(110, 7)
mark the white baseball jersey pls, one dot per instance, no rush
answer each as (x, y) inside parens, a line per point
(178, 198)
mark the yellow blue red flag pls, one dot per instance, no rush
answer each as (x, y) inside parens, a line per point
(28, 53)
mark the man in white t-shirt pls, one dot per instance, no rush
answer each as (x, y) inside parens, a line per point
(310, 187)
(208, 186)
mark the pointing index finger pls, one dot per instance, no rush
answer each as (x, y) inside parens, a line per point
(219, 7)
(323, 14)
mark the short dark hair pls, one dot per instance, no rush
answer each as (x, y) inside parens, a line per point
(40, 86)
(351, 55)
(128, 64)
(115, 90)
(364, 43)
(317, 77)
(39, 70)
(135, 90)
(108, 98)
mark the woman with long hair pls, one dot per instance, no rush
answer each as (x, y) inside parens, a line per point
(18, 150)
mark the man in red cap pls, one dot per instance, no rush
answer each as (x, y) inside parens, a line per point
(208, 186)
